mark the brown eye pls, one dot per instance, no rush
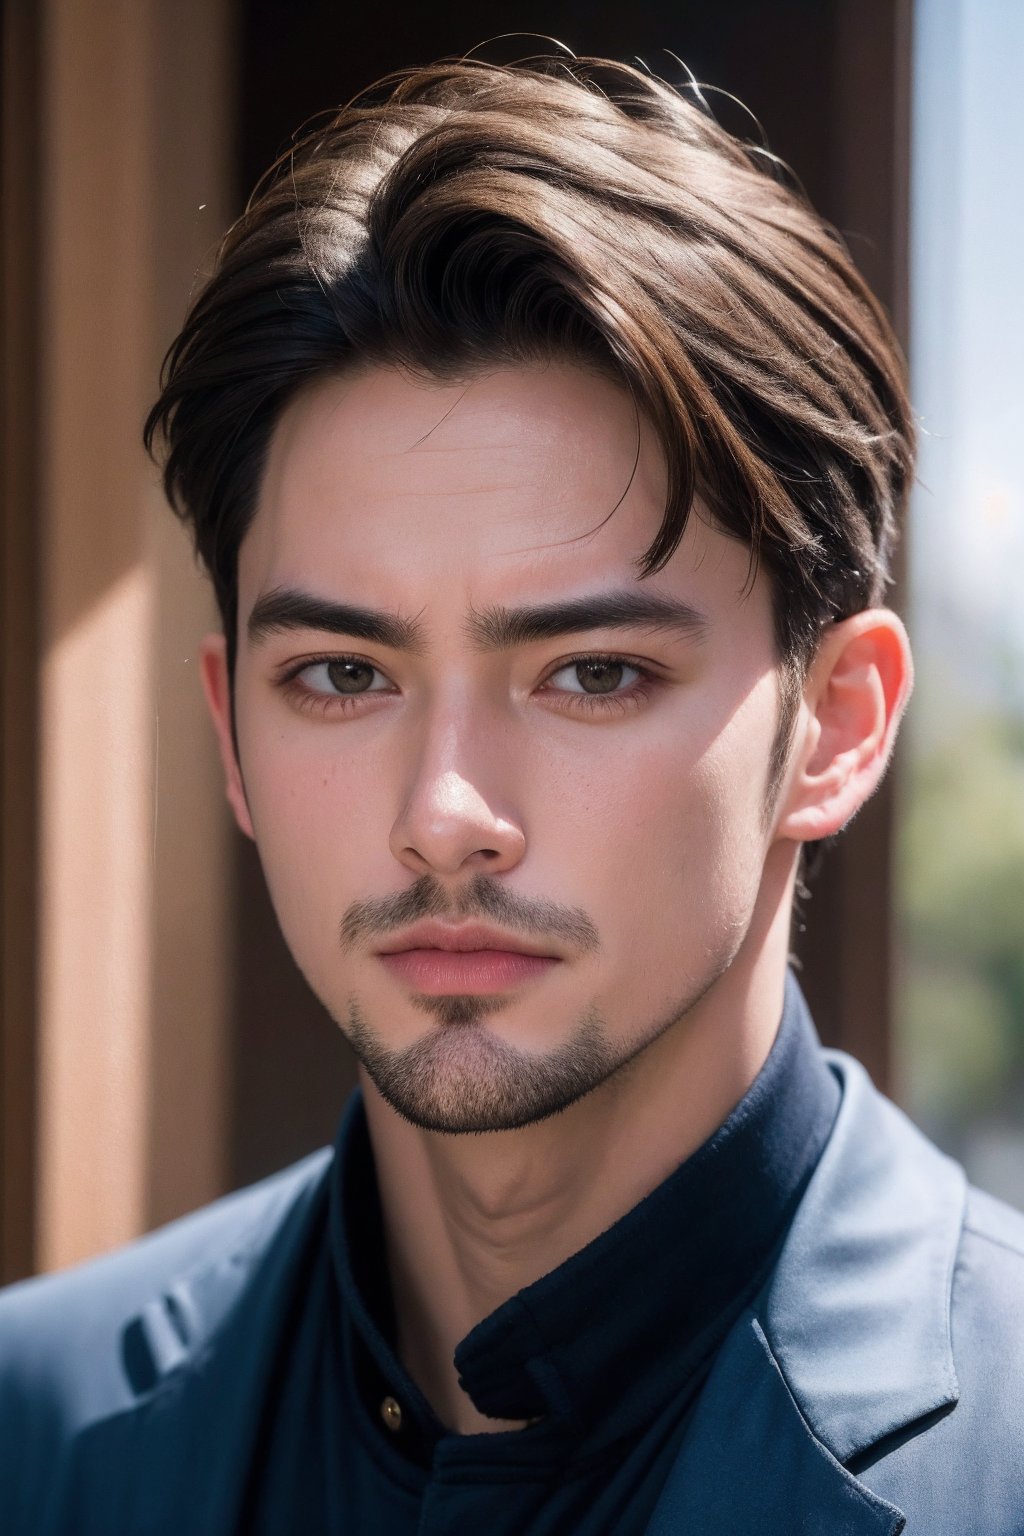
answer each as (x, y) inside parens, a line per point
(337, 678)
(595, 675)
(350, 676)
(600, 676)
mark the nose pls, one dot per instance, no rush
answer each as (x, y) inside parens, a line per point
(451, 823)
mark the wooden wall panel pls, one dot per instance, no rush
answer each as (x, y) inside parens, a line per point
(131, 113)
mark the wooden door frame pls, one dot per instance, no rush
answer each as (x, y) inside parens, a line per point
(19, 631)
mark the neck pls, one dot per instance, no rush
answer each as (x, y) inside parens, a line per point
(471, 1220)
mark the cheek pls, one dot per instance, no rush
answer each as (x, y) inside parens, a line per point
(730, 802)
(317, 818)
(636, 834)
(668, 851)
(677, 842)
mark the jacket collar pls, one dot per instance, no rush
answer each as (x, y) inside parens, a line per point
(848, 1344)
(857, 1312)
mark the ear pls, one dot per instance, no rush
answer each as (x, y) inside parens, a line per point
(856, 691)
(213, 669)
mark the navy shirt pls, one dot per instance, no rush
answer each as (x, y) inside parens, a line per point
(607, 1354)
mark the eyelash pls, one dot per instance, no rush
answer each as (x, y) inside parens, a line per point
(585, 703)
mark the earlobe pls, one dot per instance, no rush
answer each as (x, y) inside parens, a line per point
(213, 670)
(857, 689)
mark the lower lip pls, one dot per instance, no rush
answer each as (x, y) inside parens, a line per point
(477, 970)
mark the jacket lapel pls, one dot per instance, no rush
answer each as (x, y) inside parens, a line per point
(857, 1311)
(848, 1344)
(750, 1463)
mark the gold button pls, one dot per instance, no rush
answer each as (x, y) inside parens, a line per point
(391, 1413)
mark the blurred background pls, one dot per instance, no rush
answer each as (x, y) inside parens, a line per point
(157, 1044)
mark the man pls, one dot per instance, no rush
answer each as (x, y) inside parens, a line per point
(546, 452)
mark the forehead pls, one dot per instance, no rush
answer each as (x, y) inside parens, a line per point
(530, 481)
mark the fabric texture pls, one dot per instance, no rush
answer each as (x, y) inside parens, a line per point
(874, 1383)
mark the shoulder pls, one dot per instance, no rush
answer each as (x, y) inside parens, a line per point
(65, 1338)
(965, 1471)
(896, 1314)
(987, 1313)
(993, 1222)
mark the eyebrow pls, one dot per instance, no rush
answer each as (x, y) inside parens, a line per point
(285, 608)
(496, 628)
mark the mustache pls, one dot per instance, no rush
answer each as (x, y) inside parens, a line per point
(481, 897)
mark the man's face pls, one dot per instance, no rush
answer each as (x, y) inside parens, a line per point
(595, 791)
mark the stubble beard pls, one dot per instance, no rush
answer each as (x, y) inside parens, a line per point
(462, 1079)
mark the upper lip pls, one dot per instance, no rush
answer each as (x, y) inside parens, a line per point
(461, 939)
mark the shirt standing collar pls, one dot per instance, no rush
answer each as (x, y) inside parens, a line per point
(604, 1340)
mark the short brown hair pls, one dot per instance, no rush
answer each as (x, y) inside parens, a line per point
(468, 213)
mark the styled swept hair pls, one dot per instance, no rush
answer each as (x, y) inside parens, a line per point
(468, 214)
